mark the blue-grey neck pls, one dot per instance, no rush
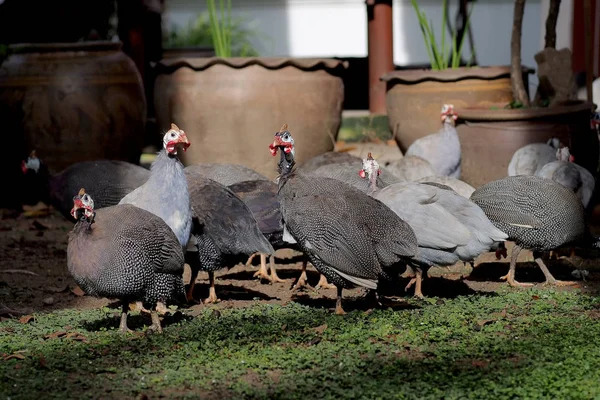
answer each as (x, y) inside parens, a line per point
(168, 185)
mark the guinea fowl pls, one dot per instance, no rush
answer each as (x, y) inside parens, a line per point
(125, 252)
(107, 180)
(224, 229)
(166, 192)
(348, 236)
(537, 214)
(449, 227)
(411, 168)
(328, 158)
(226, 174)
(441, 149)
(570, 175)
(532, 157)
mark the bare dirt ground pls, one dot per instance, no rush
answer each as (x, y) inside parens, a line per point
(34, 276)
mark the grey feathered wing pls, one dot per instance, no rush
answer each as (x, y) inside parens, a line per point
(217, 211)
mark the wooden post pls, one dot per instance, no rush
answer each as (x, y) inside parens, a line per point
(381, 51)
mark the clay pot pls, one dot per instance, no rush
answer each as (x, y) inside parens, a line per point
(414, 98)
(489, 137)
(73, 102)
(230, 108)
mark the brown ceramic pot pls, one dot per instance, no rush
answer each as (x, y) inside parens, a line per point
(489, 137)
(73, 102)
(414, 98)
(231, 107)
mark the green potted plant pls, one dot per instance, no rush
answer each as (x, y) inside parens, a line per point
(230, 105)
(491, 134)
(414, 97)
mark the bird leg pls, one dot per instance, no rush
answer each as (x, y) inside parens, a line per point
(190, 293)
(155, 319)
(123, 325)
(212, 294)
(338, 303)
(510, 277)
(262, 272)
(323, 284)
(416, 280)
(551, 280)
(249, 262)
(274, 277)
(301, 282)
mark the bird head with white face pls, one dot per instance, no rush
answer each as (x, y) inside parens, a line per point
(83, 202)
(448, 114)
(285, 142)
(175, 138)
(370, 167)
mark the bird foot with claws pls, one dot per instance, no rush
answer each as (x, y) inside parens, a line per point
(323, 284)
(512, 282)
(556, 282)
(262, 274)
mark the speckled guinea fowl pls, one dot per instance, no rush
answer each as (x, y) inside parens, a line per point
(537, 214)
(165, 193)
(449, 227)
(328, 158)
(107, 180)
(224, 229)
(127, 253)
(261, 198)
(348, 236)
(226, 174)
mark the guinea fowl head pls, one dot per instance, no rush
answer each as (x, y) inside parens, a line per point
(284, 141)
(83, 205)
(370, 167)
(31, 164)
(173, 138)
(563, 153)
(448, 114)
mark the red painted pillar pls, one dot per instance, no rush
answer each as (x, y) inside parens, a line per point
(381, 51)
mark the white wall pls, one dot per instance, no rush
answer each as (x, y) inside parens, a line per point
(326, 28)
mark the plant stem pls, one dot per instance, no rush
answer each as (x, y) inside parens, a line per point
(550, 37)
(516, 73)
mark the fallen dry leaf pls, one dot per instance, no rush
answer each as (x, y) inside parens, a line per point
(320, 328)
(26, 319)
(55, 335)
(76, 336)
(15, 356)
(77, 291)
(535, 297)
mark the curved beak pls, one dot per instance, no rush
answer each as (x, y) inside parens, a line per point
(278, 143)
(183, 141)
(77, 204)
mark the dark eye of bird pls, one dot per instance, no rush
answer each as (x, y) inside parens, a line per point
(172, 134)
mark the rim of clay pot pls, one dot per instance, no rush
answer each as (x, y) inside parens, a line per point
(520, 114)
(412, 76)
(169, 65)
(92, 45)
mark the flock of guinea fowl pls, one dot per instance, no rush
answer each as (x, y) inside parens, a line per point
(354, 235)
